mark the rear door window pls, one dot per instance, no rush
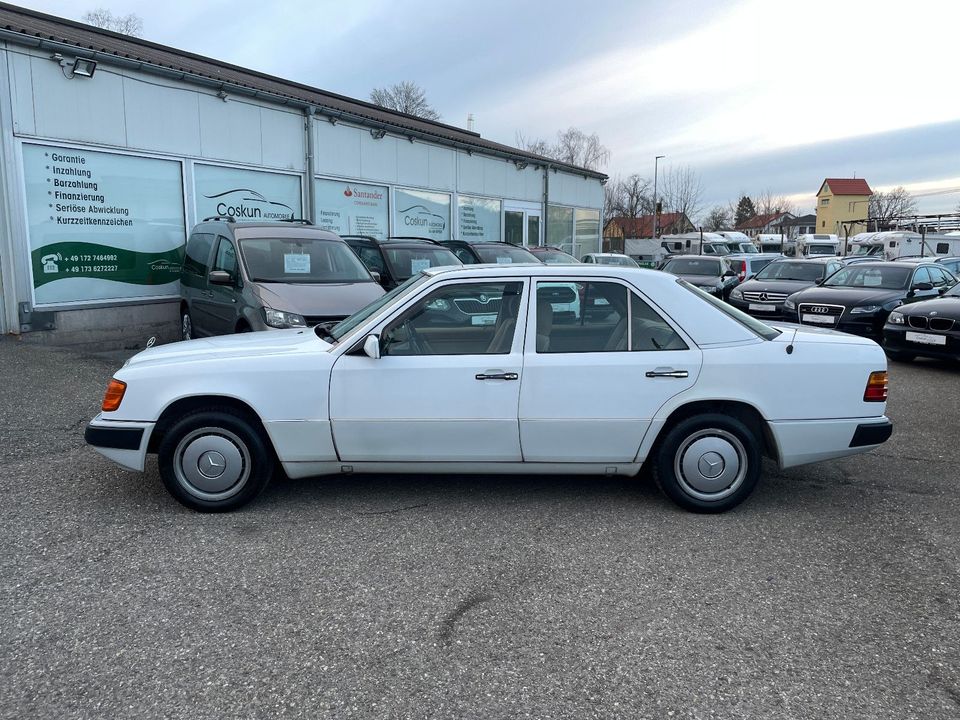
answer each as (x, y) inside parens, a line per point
(198, 254)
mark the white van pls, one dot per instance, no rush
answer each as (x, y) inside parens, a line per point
(818, 245)
(738, 242)
(893, 244)
(647, 252)
(776, 243)
(695, 243)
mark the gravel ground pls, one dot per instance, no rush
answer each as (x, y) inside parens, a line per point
(832, 593)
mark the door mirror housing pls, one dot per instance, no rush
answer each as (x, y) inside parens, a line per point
(371, 347)
(220, 277)
(376, 276)
(922, 286)
(729, 273)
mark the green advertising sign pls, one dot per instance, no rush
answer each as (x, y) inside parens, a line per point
(102, 226)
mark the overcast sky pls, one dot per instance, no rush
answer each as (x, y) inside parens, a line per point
(755, 95)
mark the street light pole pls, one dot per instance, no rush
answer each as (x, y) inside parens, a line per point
(655, 216)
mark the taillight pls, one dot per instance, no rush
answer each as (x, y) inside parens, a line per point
(877, 386)
(114, 395)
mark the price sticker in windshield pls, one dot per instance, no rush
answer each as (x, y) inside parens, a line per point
(296, 263)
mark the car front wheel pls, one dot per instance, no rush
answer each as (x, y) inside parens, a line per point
(707, 463)
(214, 460)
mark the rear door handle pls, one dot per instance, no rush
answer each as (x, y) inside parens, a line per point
(667, 373)
(491, 375)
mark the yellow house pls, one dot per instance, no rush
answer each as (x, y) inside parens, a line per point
(840, 200)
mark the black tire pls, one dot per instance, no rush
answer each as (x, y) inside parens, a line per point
(899, 355)
(719, 441)
(197, 445)
(186, 325)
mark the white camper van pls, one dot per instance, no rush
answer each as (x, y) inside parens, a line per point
(646, 251)
(695, 243)
(770, 243)
(738, 242)
(818, 245)
(893, 244)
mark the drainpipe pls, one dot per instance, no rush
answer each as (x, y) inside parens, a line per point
(546, 200)
(310, 204)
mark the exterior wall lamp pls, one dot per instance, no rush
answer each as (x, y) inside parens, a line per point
(377, 133)
(81, 66)
(521, 164)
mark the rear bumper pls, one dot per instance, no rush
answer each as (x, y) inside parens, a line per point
(800, 442)
(123, 442)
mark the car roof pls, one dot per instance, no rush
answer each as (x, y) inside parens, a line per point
(265, 229)
(928, 259)
(698, 257)
(893, 263)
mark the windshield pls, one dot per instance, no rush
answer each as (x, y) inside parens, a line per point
(869, 275)
(751, 323)
(556, 257)
(693, 266)
(748, 248)
(301, 260)
(805, 271)
(867, 250)
(348, 324)
(615, 260)
(504, 255)
(408, 261)
(715, 249)
(821, 250)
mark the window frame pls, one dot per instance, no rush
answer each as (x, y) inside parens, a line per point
(531, 329)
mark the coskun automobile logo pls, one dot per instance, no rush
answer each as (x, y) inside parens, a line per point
(164, 266)
(250, 205)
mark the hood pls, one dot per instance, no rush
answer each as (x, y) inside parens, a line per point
(948, 307)
(847, 295)
(324, 299)
(241, 345)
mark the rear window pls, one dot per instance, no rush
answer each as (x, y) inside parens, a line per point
(693, 266)
(408, 261)
(805, 271)
(504, 255)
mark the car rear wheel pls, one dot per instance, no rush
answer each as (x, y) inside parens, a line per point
(214, 460)
(186, 325)
(707, 463)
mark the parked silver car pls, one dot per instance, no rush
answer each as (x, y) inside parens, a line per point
(239, 277)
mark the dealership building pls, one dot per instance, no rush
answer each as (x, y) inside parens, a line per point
(112, 148)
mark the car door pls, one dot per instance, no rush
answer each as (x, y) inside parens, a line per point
(219, 302)
(194, 283)
(591, 387)
(921, 275)
(447, 383)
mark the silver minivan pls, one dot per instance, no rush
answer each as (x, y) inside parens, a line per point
(240, 277)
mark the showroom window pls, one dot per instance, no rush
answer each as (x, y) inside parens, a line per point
(479, 218)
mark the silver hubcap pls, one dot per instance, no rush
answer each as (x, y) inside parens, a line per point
(186, 327)
(211, 463)
(711, 464)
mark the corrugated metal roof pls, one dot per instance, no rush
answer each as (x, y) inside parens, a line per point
(104, 44)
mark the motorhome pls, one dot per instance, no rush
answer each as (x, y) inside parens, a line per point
(893, 244)
(695, 243)
(818, 245)
(646, 251)
(776, 243)
(738, 242)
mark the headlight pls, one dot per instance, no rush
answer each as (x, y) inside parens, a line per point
(896, 318)
(735, 294)
(281, 319)
(789, 305)
(865, 310)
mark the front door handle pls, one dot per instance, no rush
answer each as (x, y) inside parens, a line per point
(492, 375)
(667, 373)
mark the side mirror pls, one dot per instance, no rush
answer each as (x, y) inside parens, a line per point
(220, 277)
(922, 286)
(375, 275)
(729, 273)
(371, 347)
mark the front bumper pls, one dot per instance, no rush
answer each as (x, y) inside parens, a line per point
(123, 442)
(895, 339)
(800, 442)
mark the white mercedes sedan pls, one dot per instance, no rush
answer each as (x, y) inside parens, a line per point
(502, 369)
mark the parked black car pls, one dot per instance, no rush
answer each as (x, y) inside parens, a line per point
(930, 328)
(858, 298)
(763, 295)
(395, 260)
(471, 253)
(950, 263)
(553, 255)
(710, 273)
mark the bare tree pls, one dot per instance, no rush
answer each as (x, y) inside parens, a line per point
(682, 191)
(573, 147)
(612, 199)
(717, 219)
(127, 24)
(406, 97)
(766, 203)
(884, 206)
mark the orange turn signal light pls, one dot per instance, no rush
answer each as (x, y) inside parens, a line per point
(114, 395)
(877, 386)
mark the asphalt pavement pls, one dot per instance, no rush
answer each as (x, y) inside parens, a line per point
(833, 592)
